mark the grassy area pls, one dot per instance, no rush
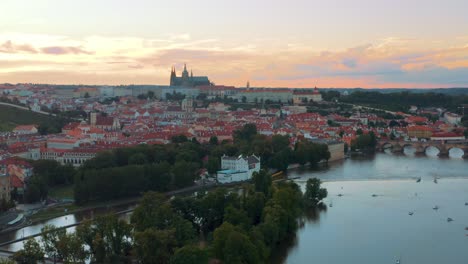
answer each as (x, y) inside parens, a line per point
(11, 117)
(62, 192)
(53, 212)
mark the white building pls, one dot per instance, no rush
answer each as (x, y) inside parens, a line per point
(235, 169)
(452, 118)
(106, 91)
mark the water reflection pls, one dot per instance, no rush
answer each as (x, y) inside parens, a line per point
(58, 222)
(366, 228)
(311, 215)
(456, 153)
(432, 151)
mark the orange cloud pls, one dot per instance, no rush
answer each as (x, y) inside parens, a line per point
(390, 62)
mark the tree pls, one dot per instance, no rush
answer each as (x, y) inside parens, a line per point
(32, 194)
(60, 245)
(359, 131)
(87, 95)
(232, 246)
(190, 254)
(314, 194)
(137, 159)
(214, 140)
(237, 217)
(108, 238)
(279, 143)
(213, 165)
(247, 132)
(179, 139)
(184, 173)
(262, 182)
(254, 204)
(281, 160)
(155, 246)
(31, 253)
(393, 123)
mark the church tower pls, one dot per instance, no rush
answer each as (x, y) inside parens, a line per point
(185, 74)
(173, 77)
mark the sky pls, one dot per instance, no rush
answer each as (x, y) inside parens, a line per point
(270, 43)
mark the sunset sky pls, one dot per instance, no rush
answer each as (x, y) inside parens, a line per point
(271, 43)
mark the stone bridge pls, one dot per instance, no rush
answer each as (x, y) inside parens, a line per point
(420, 147)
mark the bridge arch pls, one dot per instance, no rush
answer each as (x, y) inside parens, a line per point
(462, 152)
(430, 146)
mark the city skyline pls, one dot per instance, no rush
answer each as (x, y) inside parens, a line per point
(368, 44)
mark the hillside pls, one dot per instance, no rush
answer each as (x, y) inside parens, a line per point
(11, 117)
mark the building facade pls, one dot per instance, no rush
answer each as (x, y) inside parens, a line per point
(235, 169)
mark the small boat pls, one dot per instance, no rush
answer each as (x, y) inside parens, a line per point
(466, 204)
(449, 219)
(419, 179)
(435, 180)
(374, 195)
(340, 195)
(331, 205)
(411, 213)
(466, 228)
(398, 261)
(435, 207)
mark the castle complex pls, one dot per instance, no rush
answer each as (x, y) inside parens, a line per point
(186, 80)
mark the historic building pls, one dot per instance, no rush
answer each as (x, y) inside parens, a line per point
(187, 80)
(106, 123)
(304, 96)
(235, 169)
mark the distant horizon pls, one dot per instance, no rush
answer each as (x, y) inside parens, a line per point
(251, 87)
(299, 43)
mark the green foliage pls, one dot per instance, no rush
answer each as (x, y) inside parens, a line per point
(401, 101)
(242, 226)
(312, 153)
(184, 173)
(237, 217)
(108, 239)
(190, 254)
(137, 159)
(155, 246)
(214, 140)
(231, 245)
(175, 96)
(58, 244)
(213, 165)
(262, 182)
(314, 194)
(365, 141)
(179, 139)
(246, 133)
(32, 194)
(155, 212)
(12, 116)
(31, 253)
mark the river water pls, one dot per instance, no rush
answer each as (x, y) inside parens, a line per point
(366, 229)
(360, 228)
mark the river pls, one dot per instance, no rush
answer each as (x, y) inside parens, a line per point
(360, 228)
(366, 229)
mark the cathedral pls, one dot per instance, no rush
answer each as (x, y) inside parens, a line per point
(187, 80)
